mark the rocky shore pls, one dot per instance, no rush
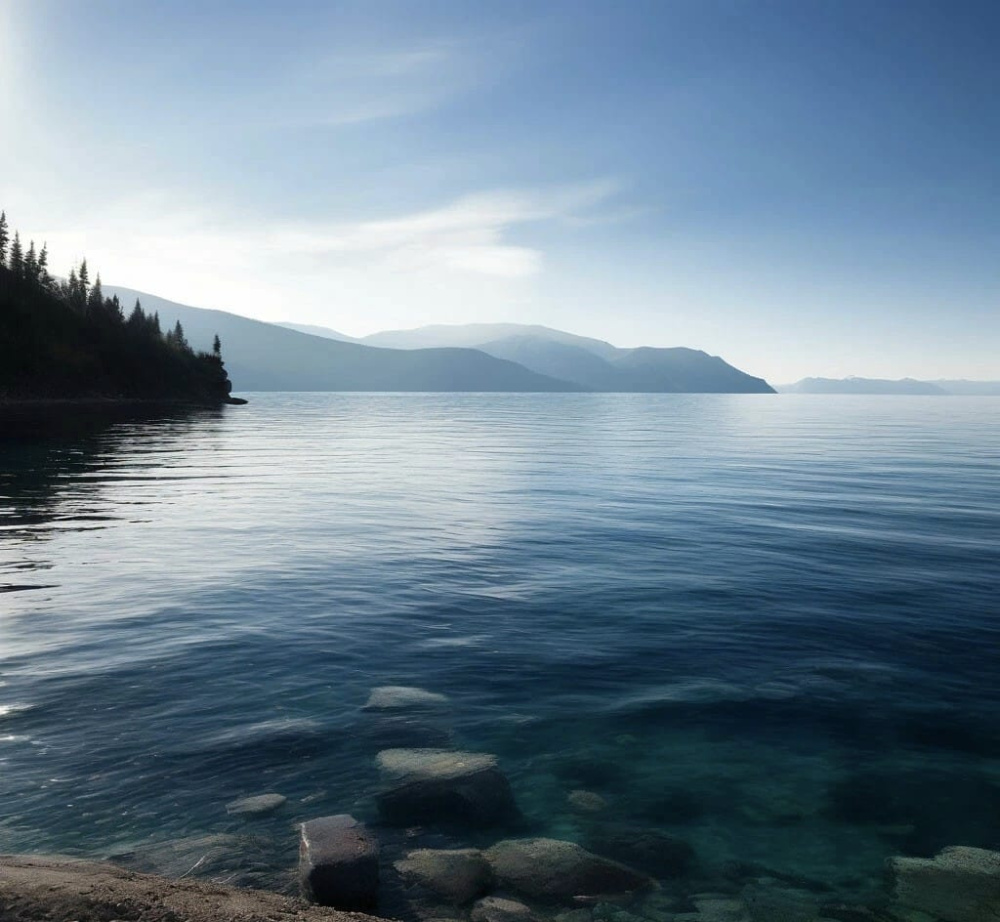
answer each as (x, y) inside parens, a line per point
(39, 889)
(442, 839)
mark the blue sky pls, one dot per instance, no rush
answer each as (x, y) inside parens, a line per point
(805, 187)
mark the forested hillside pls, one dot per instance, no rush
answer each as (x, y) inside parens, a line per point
(65, 339)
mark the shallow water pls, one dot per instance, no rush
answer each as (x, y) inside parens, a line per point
(767, 625)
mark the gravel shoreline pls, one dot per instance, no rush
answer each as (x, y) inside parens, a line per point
(45, 889)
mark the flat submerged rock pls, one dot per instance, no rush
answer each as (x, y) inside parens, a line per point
(960, 884)
(35, 888)
(406, 765)
(403, 697)
(439, 786)
(551, 869)
(257, 805)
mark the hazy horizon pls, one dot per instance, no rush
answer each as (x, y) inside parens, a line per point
(805, 189)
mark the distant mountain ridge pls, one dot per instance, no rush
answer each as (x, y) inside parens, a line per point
(904, 386)
(266, 357)
(592, 364)
(314, 330)
(470, 357)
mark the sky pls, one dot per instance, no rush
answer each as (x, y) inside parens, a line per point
(804, 187)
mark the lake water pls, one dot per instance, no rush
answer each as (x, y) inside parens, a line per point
(767, 625)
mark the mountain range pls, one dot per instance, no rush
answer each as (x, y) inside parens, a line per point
(905, 386)
(470, 357)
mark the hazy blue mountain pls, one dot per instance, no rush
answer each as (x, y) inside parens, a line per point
(861, 386)
(591, 363)
(970, 388)
(680, 370)
(477, 334)
(266, 357)
(314, 330)
(558, 359)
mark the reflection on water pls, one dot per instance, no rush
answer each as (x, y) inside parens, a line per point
(763, 627)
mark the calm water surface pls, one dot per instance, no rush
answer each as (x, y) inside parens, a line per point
(766, 625)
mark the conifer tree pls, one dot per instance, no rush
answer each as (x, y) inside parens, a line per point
(178, 336)
(137, 317)
(84, 280)
(31, 263)
(4, 238)
(217, 346)
(95, 297)
(17, 256)
(44, 279)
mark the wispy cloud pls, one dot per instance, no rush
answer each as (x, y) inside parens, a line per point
(439, 263)
(352, 87)
(467, 235)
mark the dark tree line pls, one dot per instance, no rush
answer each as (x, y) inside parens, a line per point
(66, 339)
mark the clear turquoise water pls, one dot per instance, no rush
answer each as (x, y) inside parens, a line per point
(767, 625)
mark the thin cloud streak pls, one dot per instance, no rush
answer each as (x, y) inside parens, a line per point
(435, 263)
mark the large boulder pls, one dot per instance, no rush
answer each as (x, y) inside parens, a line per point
(436, 785)
(457, 875)
(338, 863)
(961, 884)
(549, 869)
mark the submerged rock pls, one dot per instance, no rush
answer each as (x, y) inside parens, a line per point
(402, 697)
(436, 785)
(457, 875)
(768, 903)
(551, 869)
(256, 806)
(498, 909)
(721, 909)
(338, 863)
(655, 853)
(586, 801)
(961, 884)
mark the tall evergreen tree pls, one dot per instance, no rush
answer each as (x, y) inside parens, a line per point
(137, 317)
(178, 336)
(4, 238)
(95, 297)
(44, 279)
(84, 280)
(31, 263)
(217, 346)
(17, 256)
(69, 289)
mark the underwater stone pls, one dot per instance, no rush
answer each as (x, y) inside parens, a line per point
(458, 875)
(720, 909)
(436, 785)
(586, 801)
(960, 884)
(338, 863)
(779, 904)
(555, 870)
(656, 853)
(497, 909)
(400, 697)
(256, 806)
